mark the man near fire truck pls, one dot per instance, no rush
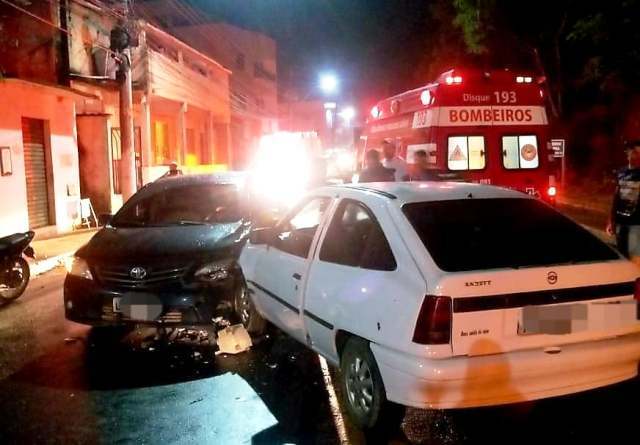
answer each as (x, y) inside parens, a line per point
(394, 162)
(624, 221)
(374, 171)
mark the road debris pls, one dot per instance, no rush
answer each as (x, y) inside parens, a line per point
(233, 340)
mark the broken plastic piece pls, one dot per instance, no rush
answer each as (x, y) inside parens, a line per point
(233, 339)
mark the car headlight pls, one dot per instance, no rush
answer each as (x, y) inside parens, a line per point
(215, 271)
(78, 267)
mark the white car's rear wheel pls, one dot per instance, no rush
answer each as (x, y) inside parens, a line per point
(366, 401)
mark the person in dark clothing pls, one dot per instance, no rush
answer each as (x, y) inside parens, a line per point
(421, 171)
(374, 171)
(624, 221)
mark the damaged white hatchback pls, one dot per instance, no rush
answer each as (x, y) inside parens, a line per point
(443, 295)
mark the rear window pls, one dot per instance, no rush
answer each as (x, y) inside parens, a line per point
(520, 152)
(477, 234)
(465, 153)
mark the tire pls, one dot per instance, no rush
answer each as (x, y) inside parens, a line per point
(365, 397)
(246, 312)
(9, 295)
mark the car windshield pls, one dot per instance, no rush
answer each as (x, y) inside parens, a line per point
(477, 234)
(191, 204)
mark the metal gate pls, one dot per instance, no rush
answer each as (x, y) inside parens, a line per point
(35, 166)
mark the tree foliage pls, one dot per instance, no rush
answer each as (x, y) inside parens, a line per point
(579, 46)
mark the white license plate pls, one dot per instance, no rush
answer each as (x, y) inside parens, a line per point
(116, 304)
(553, 320)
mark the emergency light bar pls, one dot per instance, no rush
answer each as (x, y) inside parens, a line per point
(524, 79)
(451, 80)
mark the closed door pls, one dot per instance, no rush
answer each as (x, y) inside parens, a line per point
(35, 165)
(280, 271)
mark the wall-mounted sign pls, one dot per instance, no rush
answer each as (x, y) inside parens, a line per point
(557, 146)
(6, 168)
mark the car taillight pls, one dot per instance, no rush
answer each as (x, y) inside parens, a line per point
(434, 322)
(636, 290)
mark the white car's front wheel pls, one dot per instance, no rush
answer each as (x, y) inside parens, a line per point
(362, 385)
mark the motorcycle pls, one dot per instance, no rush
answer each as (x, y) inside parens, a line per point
(14, 269)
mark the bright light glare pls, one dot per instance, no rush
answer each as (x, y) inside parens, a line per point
(346, 161)
(328, 83)
(552, 191)
(425, 97)
(347, 113)
(375, 112)
(281, 168)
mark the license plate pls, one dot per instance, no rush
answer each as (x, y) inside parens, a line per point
(116, 304)
(553, 320)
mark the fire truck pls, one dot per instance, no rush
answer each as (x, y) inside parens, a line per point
(488, 127)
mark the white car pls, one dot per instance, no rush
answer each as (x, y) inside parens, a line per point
(443, 295)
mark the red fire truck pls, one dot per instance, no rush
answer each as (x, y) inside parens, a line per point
(486, 126)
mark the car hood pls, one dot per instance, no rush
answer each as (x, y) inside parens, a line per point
(145, 243)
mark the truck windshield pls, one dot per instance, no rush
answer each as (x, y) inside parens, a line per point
(478, 234)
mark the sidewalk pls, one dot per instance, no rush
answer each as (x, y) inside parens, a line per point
(52, 252)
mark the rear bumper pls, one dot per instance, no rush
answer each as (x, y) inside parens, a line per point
(497, 379)
(88, 302)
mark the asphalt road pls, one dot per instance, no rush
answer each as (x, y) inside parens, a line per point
(62, 383)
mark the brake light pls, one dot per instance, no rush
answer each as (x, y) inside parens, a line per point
(552, 191)
(434, 321)
(636, 291)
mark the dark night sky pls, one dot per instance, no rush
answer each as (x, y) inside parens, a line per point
(373, 45)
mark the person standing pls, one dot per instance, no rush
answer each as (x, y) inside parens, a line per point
(394, 162)
(624, 220)
(374, 171)
(421, 171)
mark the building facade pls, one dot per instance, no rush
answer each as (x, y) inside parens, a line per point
(60, 130)
(250, 55)
(39, 178)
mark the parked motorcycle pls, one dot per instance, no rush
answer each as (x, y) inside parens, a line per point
(14, 269)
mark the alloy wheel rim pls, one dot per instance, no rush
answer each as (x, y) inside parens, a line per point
(360, 385)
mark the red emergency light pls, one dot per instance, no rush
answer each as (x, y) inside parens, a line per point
(425, 97)
(453, 80)
(375, 112)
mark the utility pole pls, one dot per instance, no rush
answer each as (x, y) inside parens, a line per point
(121, 42)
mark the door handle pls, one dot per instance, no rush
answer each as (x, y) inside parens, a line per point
(297, 276)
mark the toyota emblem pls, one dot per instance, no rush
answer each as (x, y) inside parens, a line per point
(552, 277)
(138, 273)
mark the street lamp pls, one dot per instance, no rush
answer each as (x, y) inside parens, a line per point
(328, 83)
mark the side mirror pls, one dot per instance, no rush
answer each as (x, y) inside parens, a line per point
(264, 235)
(104, 219)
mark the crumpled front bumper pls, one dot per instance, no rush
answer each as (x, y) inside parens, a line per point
(89, 302)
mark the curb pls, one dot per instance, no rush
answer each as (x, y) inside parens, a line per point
(41, 266)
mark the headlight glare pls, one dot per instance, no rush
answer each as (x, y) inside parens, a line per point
(78, 267)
